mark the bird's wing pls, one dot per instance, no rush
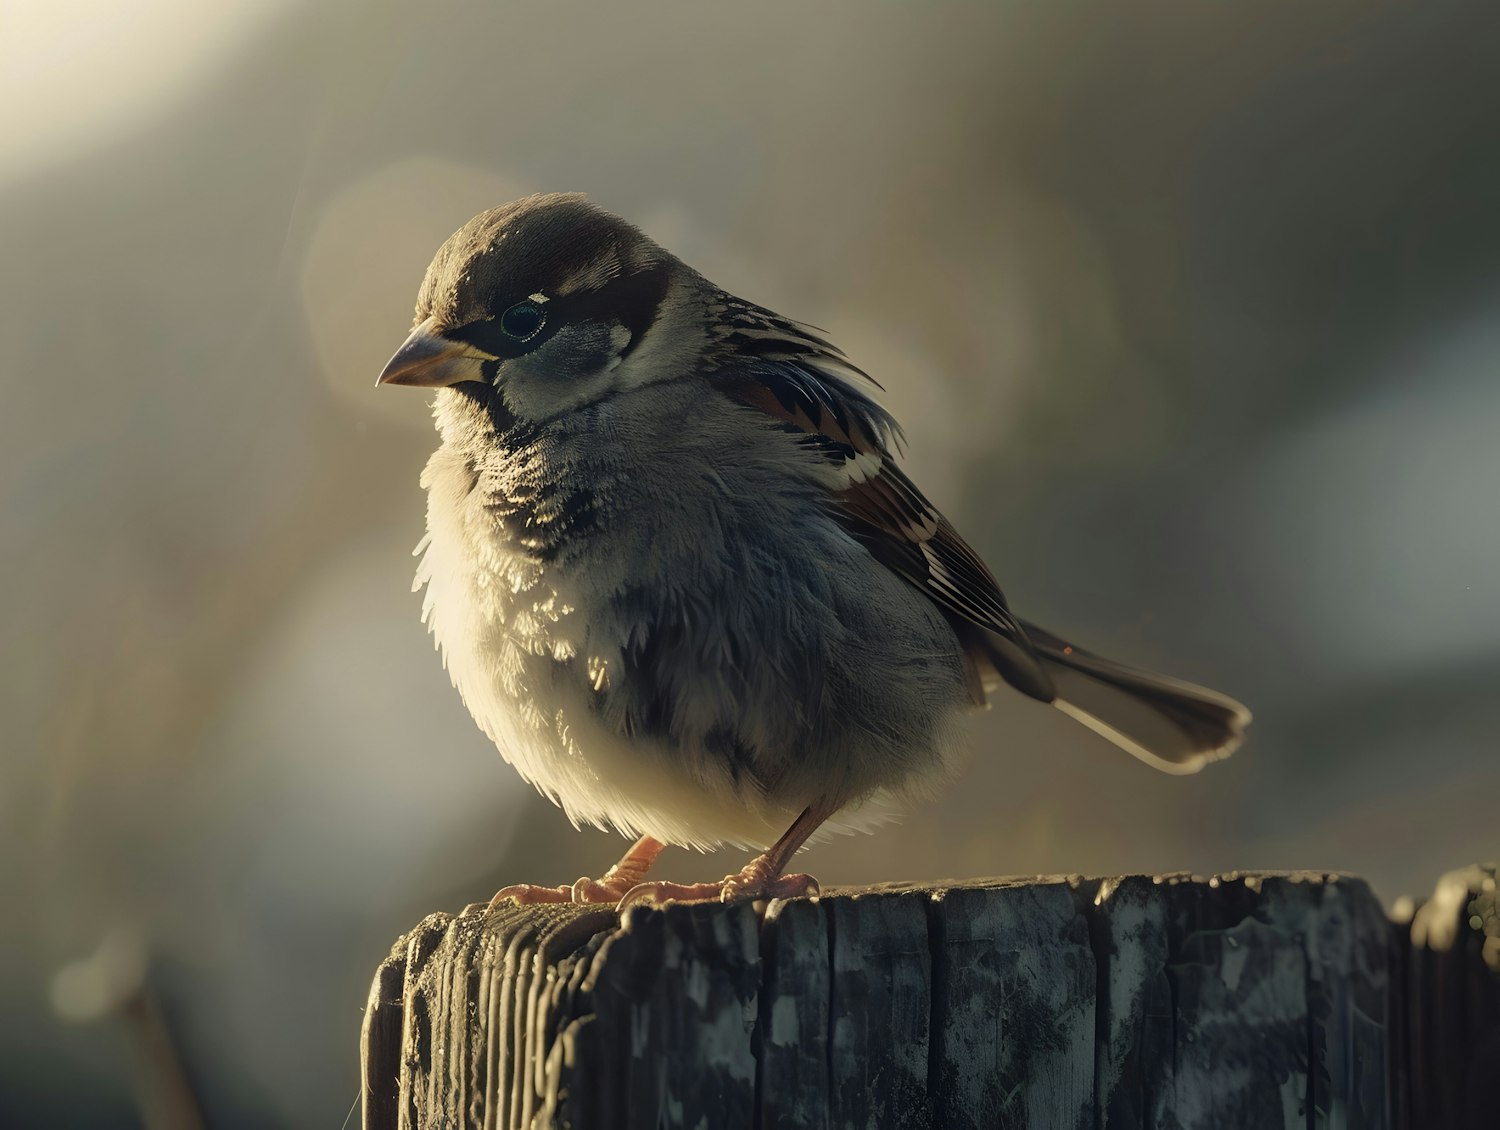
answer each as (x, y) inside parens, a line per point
(806, 385)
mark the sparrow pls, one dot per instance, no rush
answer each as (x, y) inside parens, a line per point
(679, 578)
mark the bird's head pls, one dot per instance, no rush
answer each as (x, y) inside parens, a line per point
(541, 300)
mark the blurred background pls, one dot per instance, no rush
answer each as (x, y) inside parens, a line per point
(1192, 312)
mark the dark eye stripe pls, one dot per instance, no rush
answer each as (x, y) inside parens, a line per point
(632, 300)
(490, 337)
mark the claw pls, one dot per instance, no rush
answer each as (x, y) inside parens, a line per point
(661, 891)
(622, 887)
(529, 894)
(607, 891)
(733, 888)
(795, 886)
(584, 891)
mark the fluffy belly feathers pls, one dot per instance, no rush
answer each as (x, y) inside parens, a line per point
(690, 748)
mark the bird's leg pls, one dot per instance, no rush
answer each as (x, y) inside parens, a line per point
(619, 879)
(761, 878)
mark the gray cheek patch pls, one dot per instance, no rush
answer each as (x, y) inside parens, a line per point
(582, 351)
(575, 366)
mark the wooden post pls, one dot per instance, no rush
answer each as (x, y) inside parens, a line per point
(1247, 1000)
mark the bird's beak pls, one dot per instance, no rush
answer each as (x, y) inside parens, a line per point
(427, 359)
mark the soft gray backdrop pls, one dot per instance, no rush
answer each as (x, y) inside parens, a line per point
(1192, 311)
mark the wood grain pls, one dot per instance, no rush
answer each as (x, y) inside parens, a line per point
(1246, 1000)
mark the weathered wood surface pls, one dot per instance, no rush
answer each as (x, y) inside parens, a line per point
(1236, 1001)
(1447, 1012)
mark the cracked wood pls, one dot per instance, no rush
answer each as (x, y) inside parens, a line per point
(1176, 1001)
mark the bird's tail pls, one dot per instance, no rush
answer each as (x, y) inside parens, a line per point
(1169, 724)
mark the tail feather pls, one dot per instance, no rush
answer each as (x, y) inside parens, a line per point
(1171, 725)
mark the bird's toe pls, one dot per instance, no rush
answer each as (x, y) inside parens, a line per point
(733, 888)
(529, 894)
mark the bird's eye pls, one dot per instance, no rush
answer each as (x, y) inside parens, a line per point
(523, 320)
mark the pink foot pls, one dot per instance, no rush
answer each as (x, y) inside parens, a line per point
(584, 891)
(734, 888)
(601, 892)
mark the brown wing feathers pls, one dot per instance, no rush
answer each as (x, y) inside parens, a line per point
(806, 384)
(884, 509)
